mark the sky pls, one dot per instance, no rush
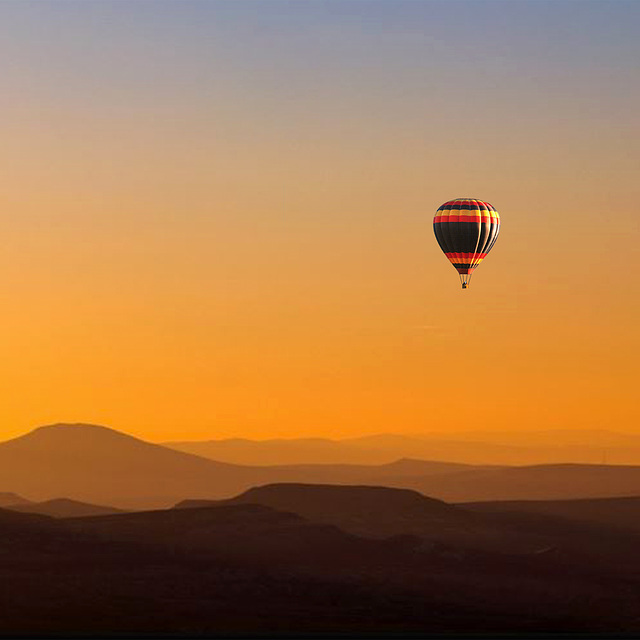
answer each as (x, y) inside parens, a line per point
(217, 216)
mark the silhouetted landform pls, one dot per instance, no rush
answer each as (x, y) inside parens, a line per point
(63, 508)
(251, 568)
(404, 473)
(245, 533)
(98, 465)
(539, 482)
(381, 512)
(598, 441)
(95, 464)
(282, 451)
(7, 499)
(620, 513)
(513, 447)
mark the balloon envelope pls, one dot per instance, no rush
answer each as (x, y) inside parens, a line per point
(466, 229)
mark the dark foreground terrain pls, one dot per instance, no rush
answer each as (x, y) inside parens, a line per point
(246, 566)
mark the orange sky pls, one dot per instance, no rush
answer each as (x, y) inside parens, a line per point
(208, 238)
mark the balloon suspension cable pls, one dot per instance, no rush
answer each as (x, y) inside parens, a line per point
(465, 279)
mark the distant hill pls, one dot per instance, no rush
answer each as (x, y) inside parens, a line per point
(98, 465)
(240, 532)
(596, 439)
(9, 499)
(538, 482)
(242, 568)
(283, 451)
(454, 483)
(395, 473)
(608, 538)
(381, 512)
(63, 508)
(23, 523)
(495, 448)
(250, 569)
(620, 513)
(95, 464)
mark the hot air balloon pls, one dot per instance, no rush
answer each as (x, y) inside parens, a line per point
(466, 229)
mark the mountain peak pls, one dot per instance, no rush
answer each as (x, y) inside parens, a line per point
(360, 497)
(75, 431)
(85, 426)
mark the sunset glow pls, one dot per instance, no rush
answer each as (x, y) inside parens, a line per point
(217, 217)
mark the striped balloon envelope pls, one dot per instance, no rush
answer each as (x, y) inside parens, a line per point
(466, 229)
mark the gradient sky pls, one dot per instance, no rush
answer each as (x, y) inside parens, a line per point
(216, 216)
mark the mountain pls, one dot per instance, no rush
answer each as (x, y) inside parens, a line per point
(495, 448)
(396, 473)
(363, 510)
(618, 513)
(7, 499)
(538, 482)
(247, 569)
(242, 568)
(25, 524)
(63, 508)
(95, 464)
(455, 483)
(240, 532)
(371, 450)
(98, 465)
(514, 447)
(609, 541)
(380, 512)
(595, 438)
(282, 451)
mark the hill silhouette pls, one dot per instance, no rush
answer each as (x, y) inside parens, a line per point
(97, 465)
(242, 568)
(246, 533)
(380, 512)
(63, 508)
(7, 499)
(584, 446)
(619, 513)
(281, 451)
(538, 482)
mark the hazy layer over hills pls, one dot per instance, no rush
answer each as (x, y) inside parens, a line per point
(98, 465)
(514, 447)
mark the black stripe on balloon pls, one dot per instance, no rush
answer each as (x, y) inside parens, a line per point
(438, 229)
(448, 236)
(462, 237)
(484, 236)
(439, 238)
(472, 235)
